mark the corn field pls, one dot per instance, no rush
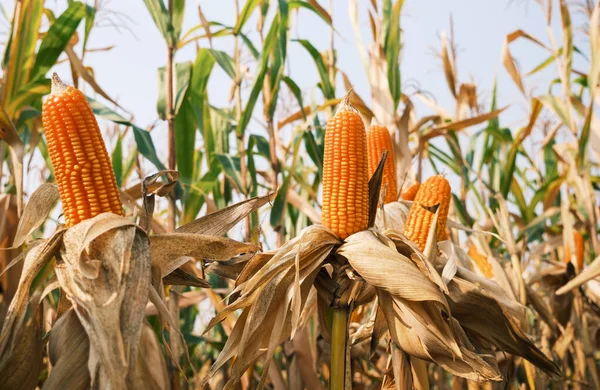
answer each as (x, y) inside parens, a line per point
(299, 236)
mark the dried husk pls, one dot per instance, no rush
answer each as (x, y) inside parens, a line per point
(20, 338)
(104, 268)
(272, 301)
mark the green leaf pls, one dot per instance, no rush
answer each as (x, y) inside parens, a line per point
(249, 7)
(278, 209)
(29, 93)
(262, 144)
(177, 17)
(183, 73)
(392, 52)
(225, 61)
(20, 48)
(296, 92)
(283, 26)
(117, 161)
(160, 15)
(328, 90)
(57, 38)
(185, 139)
(258, 83)
(231, 166)
(90, 15)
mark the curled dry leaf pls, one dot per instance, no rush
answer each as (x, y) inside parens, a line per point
(36, 211)
(272, 300)
(21, 368)
(416, 311)
(68, 350)
(589, 273)
(105, 271)
(171, 250)
(497, 325)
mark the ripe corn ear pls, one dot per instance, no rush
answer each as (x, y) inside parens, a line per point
(481, 261)
(578, 240)
(379, 141)
(411, 192)
(345, 173)
(86, 180)
(436, 190)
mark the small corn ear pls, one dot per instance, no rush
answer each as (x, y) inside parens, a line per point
(434, 191)
(379, 141)
(411, 192)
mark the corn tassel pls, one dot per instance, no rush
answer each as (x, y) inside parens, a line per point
(345, 173)
(411, 192)
(578, 240)
(434, 191)
(379, 141)
(86, 180)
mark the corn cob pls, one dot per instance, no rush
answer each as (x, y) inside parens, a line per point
(378, 141)
(411, 192)
(436, 190)
(85, 177)
(481, 261)
(578, 240)
(345, 173)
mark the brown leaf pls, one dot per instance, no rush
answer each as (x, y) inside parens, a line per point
(150, 369)
(68, 350)
(21, 368)
(180, 277)
(508, 60)
(9, 281)
(86, 74)
(220, 222)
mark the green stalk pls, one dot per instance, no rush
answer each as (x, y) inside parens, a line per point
(339, 338)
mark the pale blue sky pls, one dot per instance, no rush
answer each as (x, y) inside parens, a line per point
(129, 71)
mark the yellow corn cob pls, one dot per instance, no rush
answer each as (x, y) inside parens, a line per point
(411, 192)
(436, 190)
(345, 173)
(481, 261)
(378, 141)
(578, 240)
(85, 177)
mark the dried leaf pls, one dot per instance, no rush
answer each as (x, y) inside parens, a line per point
(220, 222)
(508, 60)
(171, 250)
(21, 368)
(36, 211)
